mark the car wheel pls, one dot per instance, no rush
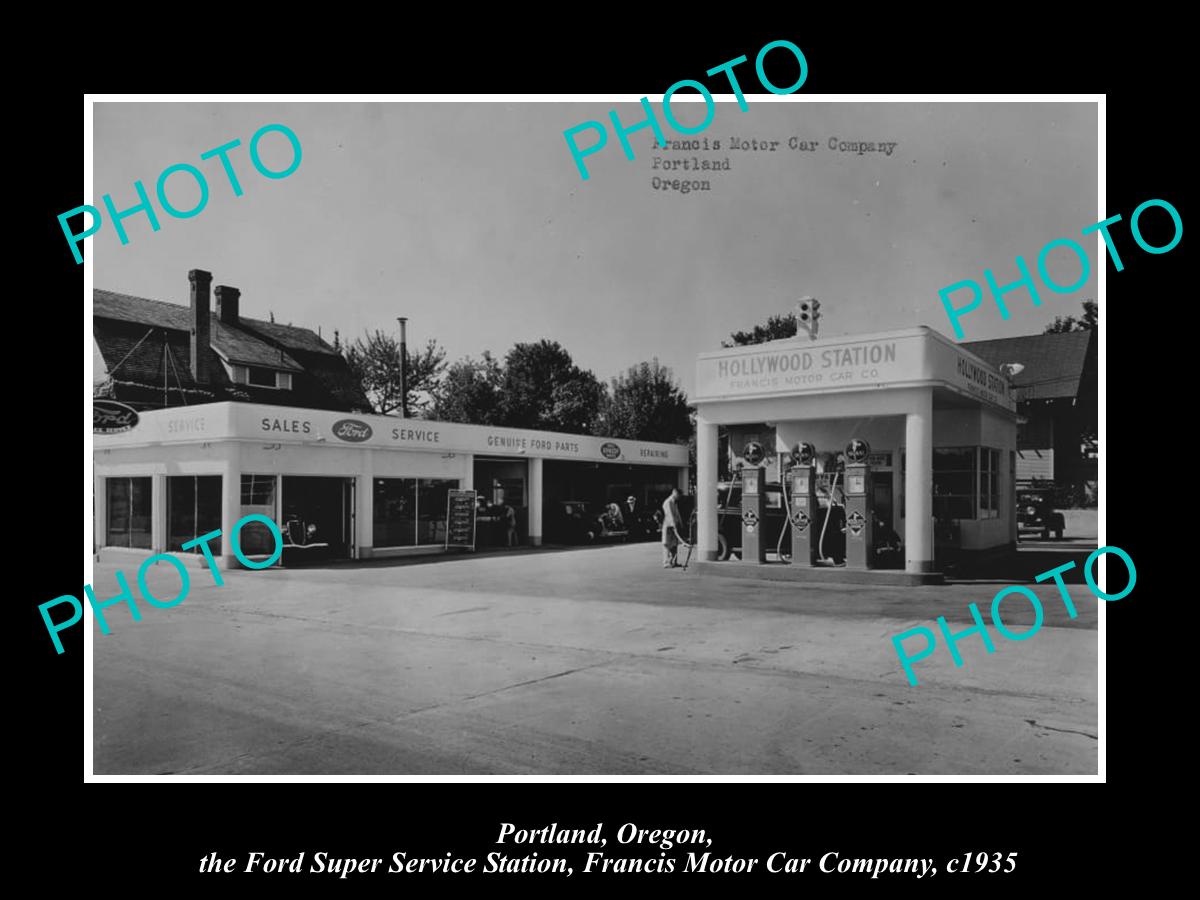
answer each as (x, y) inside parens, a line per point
(722, 548)
(1045, 534)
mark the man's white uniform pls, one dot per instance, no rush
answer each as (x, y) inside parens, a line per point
(670, 532)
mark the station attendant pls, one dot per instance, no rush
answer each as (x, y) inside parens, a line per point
(671, 530)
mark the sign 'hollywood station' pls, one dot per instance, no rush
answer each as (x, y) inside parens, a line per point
(913, 357)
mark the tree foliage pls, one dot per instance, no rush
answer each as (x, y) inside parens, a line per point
(375, 361)
(543, 389)
(777, 328)
(646, 404)
(1086, 322)
(470, 392)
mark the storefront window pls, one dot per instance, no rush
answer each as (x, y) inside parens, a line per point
(955, 475)
(432, 496)
(193, 510)
(258, 498)
(129, 512)
(410, 511)
(258, 491)
(395, 508)
(508, 491)
(989, 483)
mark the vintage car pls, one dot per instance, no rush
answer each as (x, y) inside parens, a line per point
(643, 522)
(301, 543)
(1035, 512)
(581, 522)
(729, 520)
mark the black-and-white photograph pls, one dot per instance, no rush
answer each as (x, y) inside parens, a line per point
(529, 437)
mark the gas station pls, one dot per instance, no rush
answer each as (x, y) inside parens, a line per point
(891, 454)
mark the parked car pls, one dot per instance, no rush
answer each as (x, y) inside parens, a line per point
(729, 520)
(1035, 512)
(581, 522)
(301, 542)
(643, 522)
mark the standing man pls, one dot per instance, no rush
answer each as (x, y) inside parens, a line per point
(510, 525)
(671, 529)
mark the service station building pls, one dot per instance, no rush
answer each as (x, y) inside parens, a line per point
(369, 486)
(934, 430)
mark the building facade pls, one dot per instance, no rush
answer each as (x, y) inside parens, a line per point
(941, 424)
(367, 486)
(1057, 394)
(234, 416)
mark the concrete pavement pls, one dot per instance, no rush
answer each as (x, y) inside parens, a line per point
(586, 661)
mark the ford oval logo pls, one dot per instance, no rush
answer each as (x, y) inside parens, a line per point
(352, 430)
(111, 417)
(610, 450)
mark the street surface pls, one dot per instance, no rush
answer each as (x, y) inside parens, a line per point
(583, 661)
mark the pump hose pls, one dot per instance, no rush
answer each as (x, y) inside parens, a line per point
(787, 518)
(828, 514)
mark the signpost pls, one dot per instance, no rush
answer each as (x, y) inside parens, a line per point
(460, 519)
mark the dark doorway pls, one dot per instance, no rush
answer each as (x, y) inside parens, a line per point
(318, 518)
(502, 489)
(882, 490)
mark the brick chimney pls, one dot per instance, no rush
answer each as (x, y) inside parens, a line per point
(227, 304)
(201, 323)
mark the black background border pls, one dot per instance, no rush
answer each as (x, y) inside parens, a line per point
(1139, 67)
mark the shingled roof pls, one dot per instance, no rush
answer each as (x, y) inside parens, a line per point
(1057, 366)
(141, 338)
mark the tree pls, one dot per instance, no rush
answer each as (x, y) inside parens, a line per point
(470, 392)
(375, 362)
(647, 405)
(777, 328)
(542, 388)
(1086, 322)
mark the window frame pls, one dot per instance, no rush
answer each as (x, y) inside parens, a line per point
(148, 490)
(943, 500)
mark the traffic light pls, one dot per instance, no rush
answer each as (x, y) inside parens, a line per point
(807, 313)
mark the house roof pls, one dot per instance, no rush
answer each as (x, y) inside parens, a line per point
(236, 343)
(146, 344)
(1057, 366)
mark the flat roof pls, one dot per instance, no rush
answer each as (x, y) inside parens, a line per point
(903, 358)
(320, 428)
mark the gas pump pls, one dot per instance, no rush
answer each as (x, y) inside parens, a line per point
(754, 549)
(803, 503)
(860, 519)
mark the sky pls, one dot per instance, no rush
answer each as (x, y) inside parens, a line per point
(472, 220)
